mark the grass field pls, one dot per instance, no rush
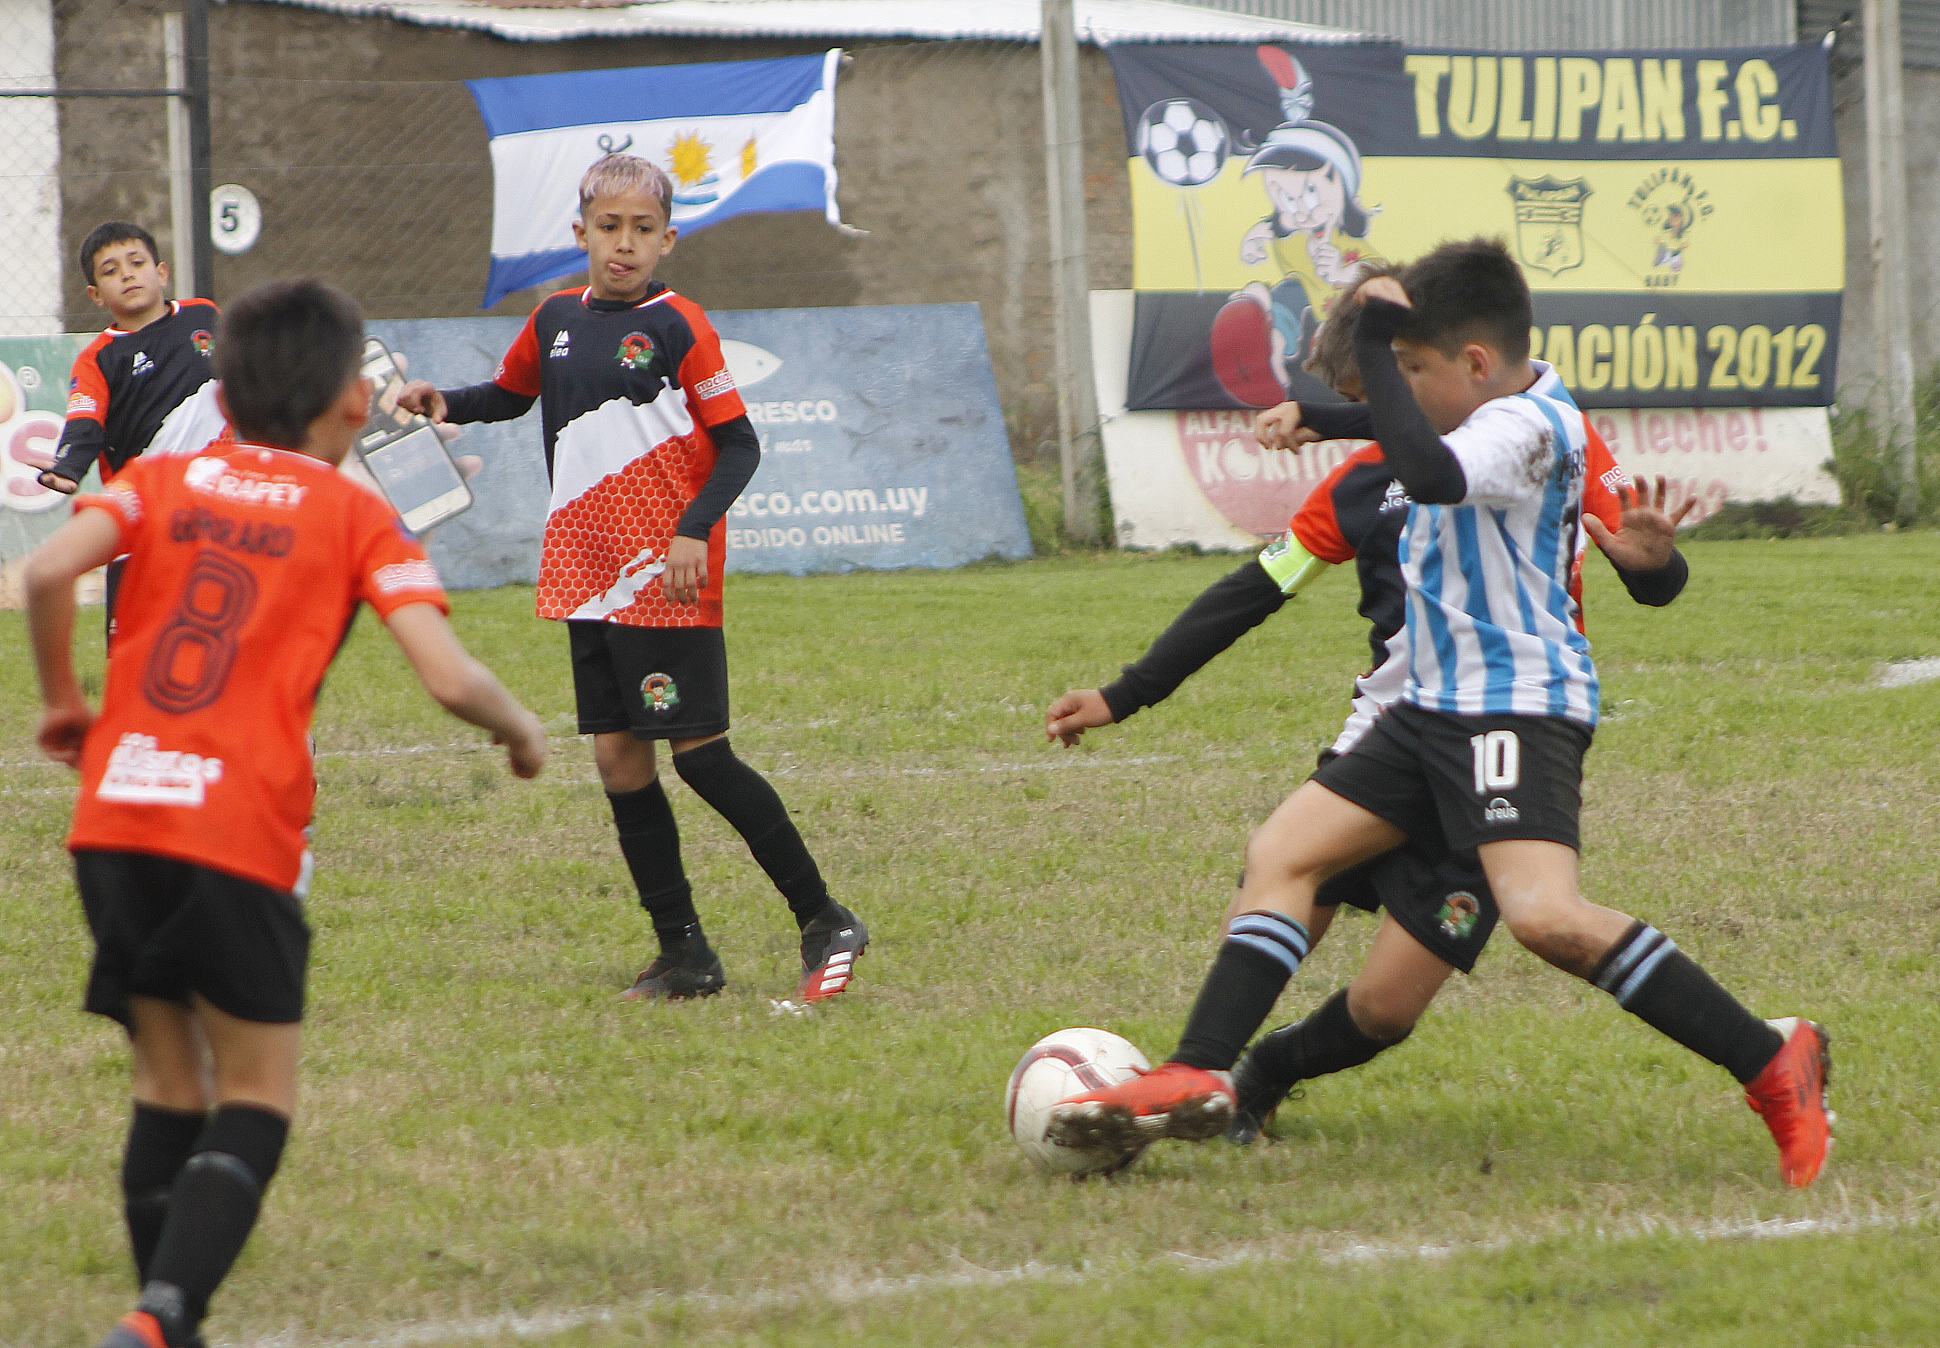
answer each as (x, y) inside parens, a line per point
(492, 1148)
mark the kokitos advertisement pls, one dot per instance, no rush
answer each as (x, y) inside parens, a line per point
(1679, 214)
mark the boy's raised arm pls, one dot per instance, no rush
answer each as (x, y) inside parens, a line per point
(88, 540)
(465, 687)
(1426, 466)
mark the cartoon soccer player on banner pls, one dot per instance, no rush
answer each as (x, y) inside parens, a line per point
(1312, 175)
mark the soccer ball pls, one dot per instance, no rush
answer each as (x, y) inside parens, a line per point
(1057, 1067)
(1184, 141)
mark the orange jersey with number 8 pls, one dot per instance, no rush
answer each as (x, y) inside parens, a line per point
(244, 571)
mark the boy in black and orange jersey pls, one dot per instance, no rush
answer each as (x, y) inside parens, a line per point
(647, 445)
(246, 565)
(152, 356)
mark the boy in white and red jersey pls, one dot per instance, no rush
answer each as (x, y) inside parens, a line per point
(648, 444)
(245, 568)
(1484, 748)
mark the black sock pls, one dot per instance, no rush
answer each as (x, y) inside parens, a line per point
(1326, 1041)
(1260, 953)
(213, 1206)
(159, 1141)
(650, 842)
(744, 798)
(1663, 987)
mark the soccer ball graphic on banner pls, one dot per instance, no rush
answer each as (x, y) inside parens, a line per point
(1184, 141)
(1057, 1067)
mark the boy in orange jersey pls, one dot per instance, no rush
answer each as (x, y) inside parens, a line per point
(245, 568)
(647, 445)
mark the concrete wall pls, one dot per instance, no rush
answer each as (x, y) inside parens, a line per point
(371, 163)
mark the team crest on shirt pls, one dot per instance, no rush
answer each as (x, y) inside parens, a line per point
(659, 693)
(636, 352)
(1458, 915)
(202, 339)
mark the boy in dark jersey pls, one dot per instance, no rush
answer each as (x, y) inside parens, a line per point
(148, 361)
(647, 445)
(152, 356)
(1439, 915)
(245, 567)
(1484, 747)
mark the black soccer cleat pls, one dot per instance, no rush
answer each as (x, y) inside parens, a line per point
(1259, 1096)
(678, 980)
(831, 944)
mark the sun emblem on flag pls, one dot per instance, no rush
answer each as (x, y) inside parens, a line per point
(636, 352)
(748, 158)
(696, 183)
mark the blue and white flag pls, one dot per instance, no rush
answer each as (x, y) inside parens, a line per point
(735, 136)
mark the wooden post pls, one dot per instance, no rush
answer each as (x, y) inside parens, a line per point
(1892, 400)
(1080, 453)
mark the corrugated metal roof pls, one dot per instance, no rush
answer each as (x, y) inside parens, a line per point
(1549, 25)
(1919, 28)
(1097, 21)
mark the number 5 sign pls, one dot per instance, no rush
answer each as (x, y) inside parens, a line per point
(235, 219)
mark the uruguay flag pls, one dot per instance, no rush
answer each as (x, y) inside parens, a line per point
(735, 136)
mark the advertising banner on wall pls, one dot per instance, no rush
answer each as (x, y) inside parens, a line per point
(1679, 214)
(1200, 478)
(883, 443)
(33, 406)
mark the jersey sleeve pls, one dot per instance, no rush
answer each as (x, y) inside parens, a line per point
(127, 501)
(1505, 451)
(711, 394)
(85, 435)
(1602, 480)
(1316, 525)
(518, 370)
(392, 570)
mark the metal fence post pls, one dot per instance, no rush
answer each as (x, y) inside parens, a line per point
(1079, 450)
(202, 244)
(1886, 198)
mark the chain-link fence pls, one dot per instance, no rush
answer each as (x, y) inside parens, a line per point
(371, 163)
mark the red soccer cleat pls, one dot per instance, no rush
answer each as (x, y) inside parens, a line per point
(1171, 1100)
(1790, 1095)
(138, 1329)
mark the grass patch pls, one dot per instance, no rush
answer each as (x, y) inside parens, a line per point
(486, 1130)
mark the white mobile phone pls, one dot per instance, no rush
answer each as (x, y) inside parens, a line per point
(404, 453)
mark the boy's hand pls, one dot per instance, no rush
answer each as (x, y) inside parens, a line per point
(1077, 711)
(1280, 428)
(62, 729)
(422, 397)
(527, 747)
(1383, 288)
(686, 573)
(1646, 534)
(53, 481)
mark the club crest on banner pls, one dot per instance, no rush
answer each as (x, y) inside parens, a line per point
(1549, 221)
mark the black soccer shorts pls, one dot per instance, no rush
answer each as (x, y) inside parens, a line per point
(659, 682)
(1455, 782)
(166, 928)
(1444, 903)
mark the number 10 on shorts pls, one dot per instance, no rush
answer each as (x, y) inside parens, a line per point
(1498, 761)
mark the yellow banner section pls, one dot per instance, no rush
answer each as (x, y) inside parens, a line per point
(1714, 226)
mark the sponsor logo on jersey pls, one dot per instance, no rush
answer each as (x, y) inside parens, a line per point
(562, 345)
(659, 693)
(1615, 480)
(203, 339)
(81, 402)
(1458, 915)
(636, 352)
(143, 365)
(1500, 811)
(126, 499)
(214, 477)
(714, 386)
(1396, 498)
(407, 576)
(140, 772)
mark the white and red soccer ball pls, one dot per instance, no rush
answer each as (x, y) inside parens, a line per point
(1057, 1067)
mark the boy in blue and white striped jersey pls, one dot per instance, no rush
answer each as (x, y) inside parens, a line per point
(1485, 748)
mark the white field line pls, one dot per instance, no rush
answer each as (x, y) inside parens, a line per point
(1904, 673)
(546, 1324)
